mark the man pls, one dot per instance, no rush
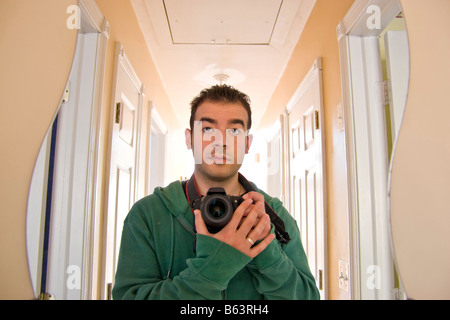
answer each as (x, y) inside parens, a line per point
(167, 251)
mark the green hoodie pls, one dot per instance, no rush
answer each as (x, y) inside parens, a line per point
(157, 258)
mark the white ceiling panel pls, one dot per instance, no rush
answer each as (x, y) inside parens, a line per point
(222, 22)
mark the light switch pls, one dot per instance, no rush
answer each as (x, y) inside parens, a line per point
(344, 272)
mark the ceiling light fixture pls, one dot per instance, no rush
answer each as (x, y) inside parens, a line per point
(221, 77)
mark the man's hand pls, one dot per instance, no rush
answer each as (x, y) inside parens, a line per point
(249, 224)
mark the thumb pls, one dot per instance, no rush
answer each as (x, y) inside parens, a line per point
(200, 225)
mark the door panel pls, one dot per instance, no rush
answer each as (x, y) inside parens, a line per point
(123, 153)
(313, 249)
(127, 121)
(308, 128)
(307, 173)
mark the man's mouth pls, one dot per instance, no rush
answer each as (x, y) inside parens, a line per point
(221, 159)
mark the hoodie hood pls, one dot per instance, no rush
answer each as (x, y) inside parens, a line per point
(173, 198)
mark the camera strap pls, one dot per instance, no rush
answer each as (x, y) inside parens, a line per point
(192, 194)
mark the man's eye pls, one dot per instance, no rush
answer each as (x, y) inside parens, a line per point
(208, 130)
(235, 131)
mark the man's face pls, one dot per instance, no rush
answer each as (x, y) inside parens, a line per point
(219, 139)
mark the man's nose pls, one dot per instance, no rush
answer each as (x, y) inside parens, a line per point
(220, 139)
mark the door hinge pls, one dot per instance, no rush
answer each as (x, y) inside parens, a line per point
(316, 119)
(384, 92)
(387, 92)
(399, 294)
(118, 110)
(65, 97)
(320, 279)
(46, 296)
(109, 291)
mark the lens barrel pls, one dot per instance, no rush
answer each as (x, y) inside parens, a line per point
(217, 211)
(216, 208)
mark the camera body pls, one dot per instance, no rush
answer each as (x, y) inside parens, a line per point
(217, 208)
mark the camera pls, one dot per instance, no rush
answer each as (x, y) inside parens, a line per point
(217, 208)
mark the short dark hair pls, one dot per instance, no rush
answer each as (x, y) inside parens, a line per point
(221, 93)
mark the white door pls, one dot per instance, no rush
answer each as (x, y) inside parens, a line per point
(127, 98)
(307, 179)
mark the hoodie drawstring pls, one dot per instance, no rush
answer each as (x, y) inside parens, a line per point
(172, 249)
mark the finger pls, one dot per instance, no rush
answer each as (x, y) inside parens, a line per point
(247, 211)
(258, 200)
(254, 251)
(255, 196)
(248, 223)
(257, 209)
(200, 225)
(245, 217)
(238, 214)
(262, 228)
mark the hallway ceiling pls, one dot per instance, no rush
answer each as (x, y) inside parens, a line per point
(193, 41)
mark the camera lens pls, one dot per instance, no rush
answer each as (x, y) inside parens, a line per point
(217, 211)
(217, 208)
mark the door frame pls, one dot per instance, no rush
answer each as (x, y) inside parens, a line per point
(371, 265)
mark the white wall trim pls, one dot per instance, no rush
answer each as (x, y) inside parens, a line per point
(94, 17)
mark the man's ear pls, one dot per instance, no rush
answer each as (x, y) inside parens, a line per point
(187, 135)
(249, 143)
